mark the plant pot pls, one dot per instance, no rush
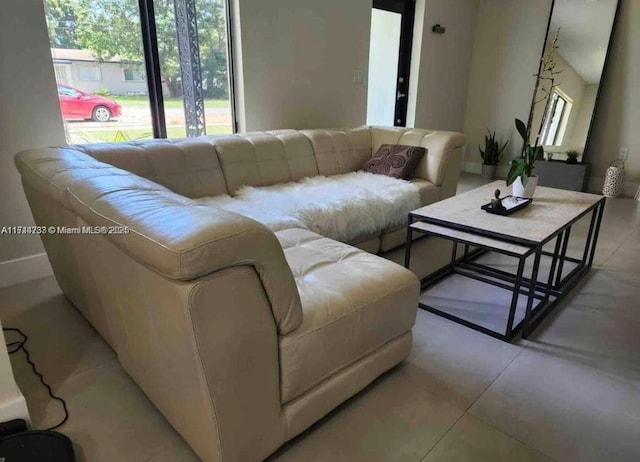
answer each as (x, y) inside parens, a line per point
(518, 190)
(489, 171)
(571, 160)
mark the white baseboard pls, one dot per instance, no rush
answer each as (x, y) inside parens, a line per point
(24, 269)
(472, 167)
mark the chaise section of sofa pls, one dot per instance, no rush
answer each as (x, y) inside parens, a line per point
(241, 337)
(328, 275)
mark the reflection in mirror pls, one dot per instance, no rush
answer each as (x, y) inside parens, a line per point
(575, 51)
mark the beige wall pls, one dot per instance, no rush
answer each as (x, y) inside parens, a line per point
(441, 63)
(29, 113)
(618, 115)
(507, 46)
(297, 63)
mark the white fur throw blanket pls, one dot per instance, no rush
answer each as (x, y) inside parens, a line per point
(340, 207)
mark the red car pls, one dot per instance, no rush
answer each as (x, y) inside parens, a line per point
(76, 104)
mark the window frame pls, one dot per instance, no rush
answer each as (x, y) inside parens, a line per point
(154, 75)
(149, 72)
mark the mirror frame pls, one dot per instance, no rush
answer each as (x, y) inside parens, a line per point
(616, 16)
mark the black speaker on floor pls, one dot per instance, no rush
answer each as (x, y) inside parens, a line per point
(36, 446)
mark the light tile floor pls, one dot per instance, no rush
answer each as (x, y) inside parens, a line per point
(569, 393)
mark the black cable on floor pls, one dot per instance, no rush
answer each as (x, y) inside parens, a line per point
(14, 347)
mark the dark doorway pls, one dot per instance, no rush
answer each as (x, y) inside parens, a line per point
(390, 61)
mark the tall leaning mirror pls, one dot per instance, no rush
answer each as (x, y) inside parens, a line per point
(566, 96)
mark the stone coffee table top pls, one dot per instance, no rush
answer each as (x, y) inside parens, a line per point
(550, 211)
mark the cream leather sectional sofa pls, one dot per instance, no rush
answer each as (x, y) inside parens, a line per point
(242, 337)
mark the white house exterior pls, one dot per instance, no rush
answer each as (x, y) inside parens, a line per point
(79, 69)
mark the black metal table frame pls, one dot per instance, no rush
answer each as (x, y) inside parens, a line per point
(549, 293)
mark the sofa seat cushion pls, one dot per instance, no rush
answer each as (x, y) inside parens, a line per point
(353, 303)
(395, 237)
(429, 192)
(347, 207)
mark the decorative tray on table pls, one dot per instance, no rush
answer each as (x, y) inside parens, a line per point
(510, 204)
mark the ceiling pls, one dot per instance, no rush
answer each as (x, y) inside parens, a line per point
(585, 27)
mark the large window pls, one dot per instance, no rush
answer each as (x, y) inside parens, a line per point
(141, 68)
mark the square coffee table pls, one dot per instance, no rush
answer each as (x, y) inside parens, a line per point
(523, 300)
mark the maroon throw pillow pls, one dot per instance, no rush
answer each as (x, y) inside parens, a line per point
(395, 160)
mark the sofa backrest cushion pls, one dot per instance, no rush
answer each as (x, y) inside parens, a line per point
(215, 165)
(339, 151)
(188, 167)
(265, 158)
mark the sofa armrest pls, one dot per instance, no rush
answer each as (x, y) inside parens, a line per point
(443, 156)
(451, 172)
(237, 348)
(184, 241)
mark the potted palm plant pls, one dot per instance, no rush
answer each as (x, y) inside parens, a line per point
(521, 172)
(491, 155)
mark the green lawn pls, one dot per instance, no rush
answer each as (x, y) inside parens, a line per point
(143, 101)
(137, 134)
